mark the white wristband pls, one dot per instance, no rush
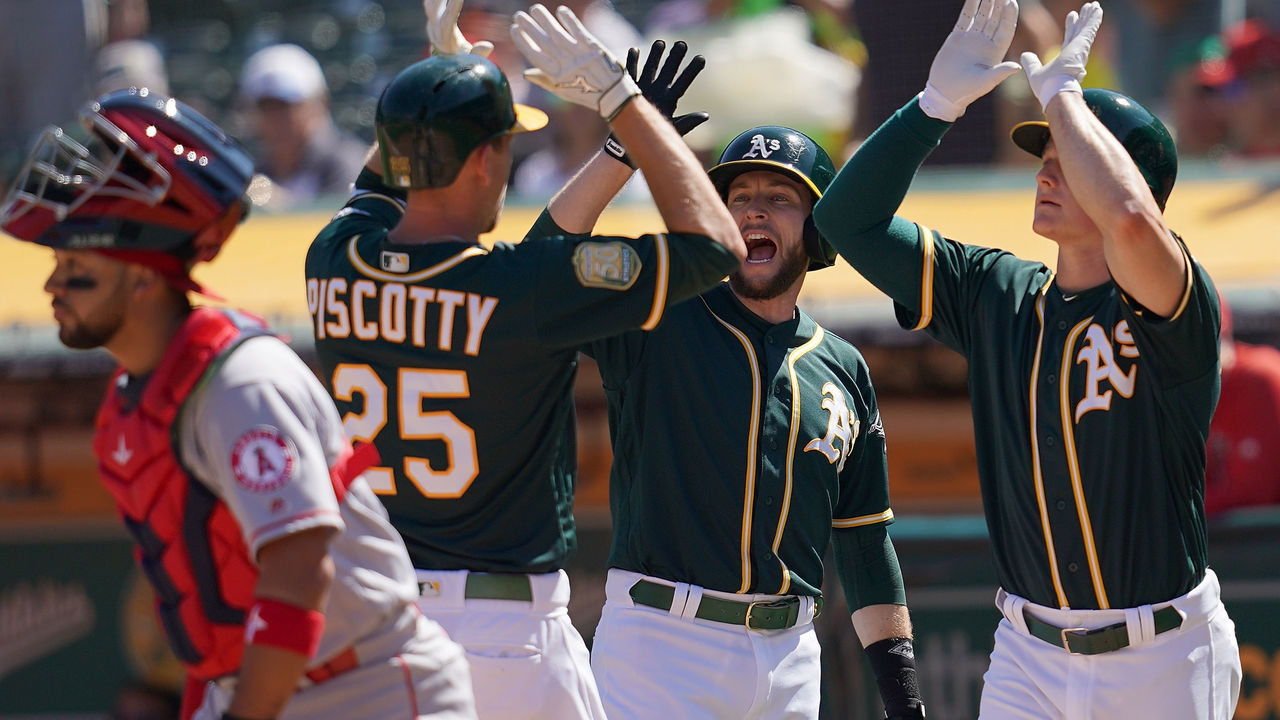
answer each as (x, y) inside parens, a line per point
(615, 98)
(936, 105)
(1054, 85)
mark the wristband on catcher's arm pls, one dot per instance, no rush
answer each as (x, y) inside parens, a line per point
(893, 661)
(285, 626)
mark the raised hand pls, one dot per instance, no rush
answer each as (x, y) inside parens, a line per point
(443, 32)
(569, 62)
(1064, 73)
(663, 88)
(968, 65)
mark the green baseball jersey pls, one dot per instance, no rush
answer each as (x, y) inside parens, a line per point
(738, 446)
(457, 362)
(1090, 413)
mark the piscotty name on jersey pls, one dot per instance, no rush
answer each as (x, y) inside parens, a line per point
(397, 312)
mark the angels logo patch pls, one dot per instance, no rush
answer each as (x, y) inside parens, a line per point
(262, 459)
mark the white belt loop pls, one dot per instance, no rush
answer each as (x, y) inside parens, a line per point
(679, 598)
(691, 604)
(1011, 606)
(1141, 624)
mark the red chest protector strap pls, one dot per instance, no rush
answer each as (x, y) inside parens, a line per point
(187, 542)
(349, 466)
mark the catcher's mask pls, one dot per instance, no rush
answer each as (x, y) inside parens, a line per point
(154, 183)
(788, 152)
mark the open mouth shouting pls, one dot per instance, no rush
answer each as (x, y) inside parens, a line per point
(760, 247)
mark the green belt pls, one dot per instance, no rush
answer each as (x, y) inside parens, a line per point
(498, 586)
(758, 615)
(1101, 640)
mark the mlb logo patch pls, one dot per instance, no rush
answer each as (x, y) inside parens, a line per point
(396, 262)
(610, 266)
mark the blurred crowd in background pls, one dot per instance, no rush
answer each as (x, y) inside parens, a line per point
(298, 80)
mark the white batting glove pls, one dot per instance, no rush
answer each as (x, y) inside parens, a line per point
(569, 62)
(969, 65)
(1064, 73)
(443, 32)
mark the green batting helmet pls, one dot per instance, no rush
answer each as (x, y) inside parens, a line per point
(1141, 133)
(436, 111)
(788, 152)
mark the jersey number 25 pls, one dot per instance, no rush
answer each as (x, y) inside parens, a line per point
(414, 384)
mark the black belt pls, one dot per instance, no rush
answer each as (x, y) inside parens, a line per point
(498, 586)
(758, 615)
(1101, 640)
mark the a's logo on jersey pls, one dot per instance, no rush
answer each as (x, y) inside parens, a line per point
(396, 262)
(611, 266)
(841, 424)
(1100, 362)
(262, 459)
(762, 147)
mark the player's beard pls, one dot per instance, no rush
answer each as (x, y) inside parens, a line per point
(98, 329)
(794, 264)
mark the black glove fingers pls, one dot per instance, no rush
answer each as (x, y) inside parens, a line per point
(633, 59)
(691, 71)
(669, 68)
(645, 80)
(685, 123)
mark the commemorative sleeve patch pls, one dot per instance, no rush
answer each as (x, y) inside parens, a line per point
(607, 265)
(262, 459)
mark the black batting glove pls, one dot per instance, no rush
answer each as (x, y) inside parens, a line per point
(662, 88)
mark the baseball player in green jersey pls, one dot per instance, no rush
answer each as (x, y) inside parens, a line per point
(457, 360)
(746, 439)
(1092, 384)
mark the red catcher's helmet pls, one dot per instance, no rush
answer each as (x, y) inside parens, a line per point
(153, 175)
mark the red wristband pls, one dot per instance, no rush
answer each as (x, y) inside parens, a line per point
(285, 626)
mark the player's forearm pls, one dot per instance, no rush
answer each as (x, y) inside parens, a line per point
(874, 623)
(294, 577)
(679, 185)
(579, 203)
(1141, 254)
(868, 190)
(885, 633)
(268, 678)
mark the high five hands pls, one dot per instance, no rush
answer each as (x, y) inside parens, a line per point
(969, 64)
(1064, 72)
(443, 32)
